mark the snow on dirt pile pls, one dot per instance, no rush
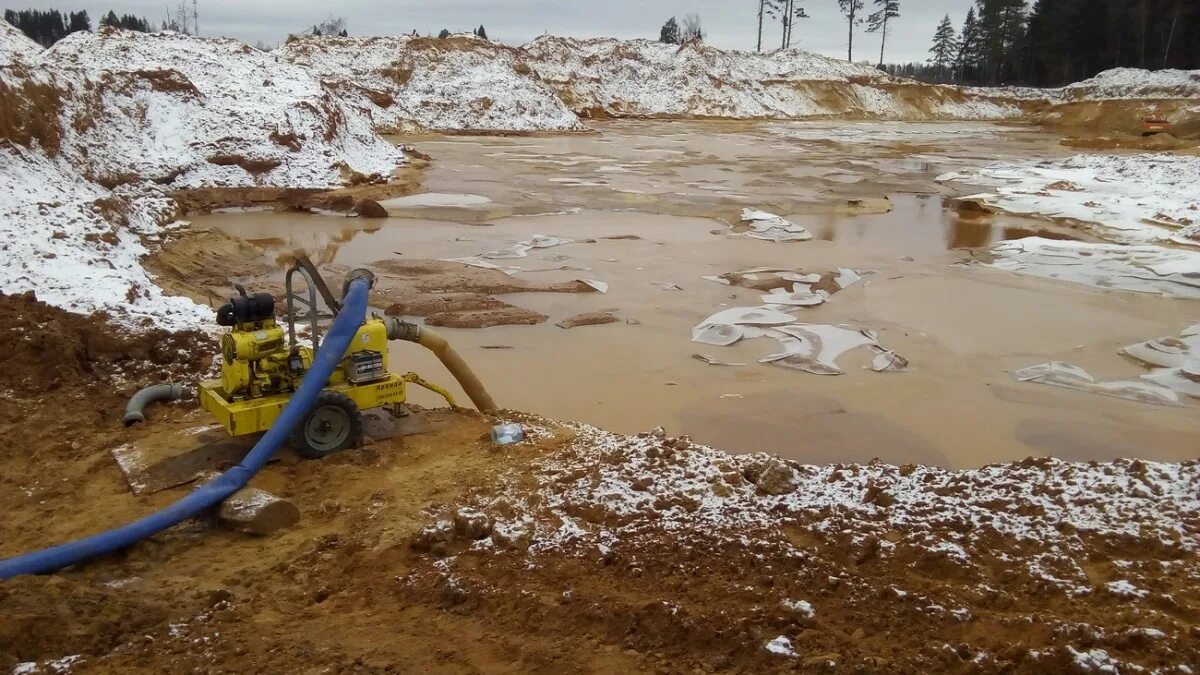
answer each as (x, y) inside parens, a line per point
(751, 546)
(14, 44)
(413, 83)
(102, 125)
(204, 112)
(1135, 83)
(1129, 199)
(640, 78)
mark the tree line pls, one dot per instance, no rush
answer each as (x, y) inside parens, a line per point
(1056, 42)
(47, 26)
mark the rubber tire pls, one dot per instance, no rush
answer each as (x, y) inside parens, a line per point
(328, 398)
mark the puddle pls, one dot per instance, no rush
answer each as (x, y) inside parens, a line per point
(964, 330)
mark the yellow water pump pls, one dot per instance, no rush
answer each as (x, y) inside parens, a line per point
(263, 364)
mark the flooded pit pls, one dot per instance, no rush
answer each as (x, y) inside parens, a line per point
(963, 329)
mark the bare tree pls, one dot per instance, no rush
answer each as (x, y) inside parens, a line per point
(179, 21)
(334, 25)
(690, 28)
(762, 8)
(787, 11)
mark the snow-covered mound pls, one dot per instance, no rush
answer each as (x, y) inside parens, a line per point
(204, 112)
(74, 243)
(640, 78)
(100, 127)
(14, 44)
(1129, 199)
(414, 83)
(1135, 83)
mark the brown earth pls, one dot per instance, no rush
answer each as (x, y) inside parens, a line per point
(1121, 116)
(1156, 143)
(589, 319)
(458, 296)
(361, 196)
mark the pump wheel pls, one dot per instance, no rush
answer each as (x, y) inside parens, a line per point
(333, 425)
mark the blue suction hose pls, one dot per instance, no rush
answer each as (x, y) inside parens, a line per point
(217, 490)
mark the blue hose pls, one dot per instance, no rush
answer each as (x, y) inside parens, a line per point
(217, 490)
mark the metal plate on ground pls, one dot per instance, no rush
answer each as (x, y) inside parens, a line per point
(177, 457)
(381, 424)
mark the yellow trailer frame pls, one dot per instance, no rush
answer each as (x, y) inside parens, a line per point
(242, 417)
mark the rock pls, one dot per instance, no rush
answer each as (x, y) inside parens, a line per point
(472, 524)
(369, 208)
(258, 512)
(434, 538)
(516, 536)
(589, 319)
(772, 476)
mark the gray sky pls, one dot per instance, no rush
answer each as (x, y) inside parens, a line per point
(729, 23)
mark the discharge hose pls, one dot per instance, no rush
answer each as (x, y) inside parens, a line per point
(217, 490)
(422, 335)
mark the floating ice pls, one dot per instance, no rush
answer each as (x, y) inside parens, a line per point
(1177, 360)
(435, 199)
(1068, 376)
(1130, 199)
(521, 249)
(1141, 269)
(768, 226)
(815, 348)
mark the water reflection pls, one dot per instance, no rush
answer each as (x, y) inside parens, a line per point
(924, 223)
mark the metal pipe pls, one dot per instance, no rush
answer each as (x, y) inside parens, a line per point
(422, 335)
(156, 392)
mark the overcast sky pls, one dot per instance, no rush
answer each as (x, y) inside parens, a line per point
(729, 23)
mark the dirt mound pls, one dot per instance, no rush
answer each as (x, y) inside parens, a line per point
(773, 565)
(1122, 116)
(243, 117)
(14, 44)
(1135, 83)
(639, 78)
(599, 552)
(66, 617)
(202, 265)
(47, 349)
(412, 84)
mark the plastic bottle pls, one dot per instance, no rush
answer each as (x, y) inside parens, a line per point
(507, 434)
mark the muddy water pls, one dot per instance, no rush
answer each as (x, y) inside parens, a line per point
(677, 187)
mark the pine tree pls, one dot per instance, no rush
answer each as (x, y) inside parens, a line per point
(968, 46)
(442, 35)
(851, 8)
(945, 45)
(670, 32)
(110, 20)
(79, 21)
(481, 32)
(878, 22)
